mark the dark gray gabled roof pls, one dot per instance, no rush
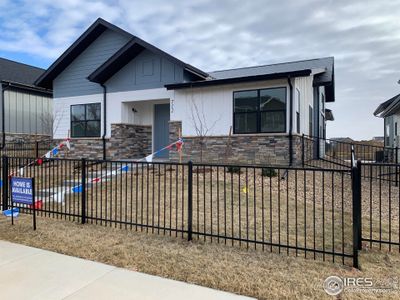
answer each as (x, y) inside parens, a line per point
(388, 108)
(274, 71)
(18, 72)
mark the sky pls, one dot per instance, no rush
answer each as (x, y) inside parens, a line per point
(363, 36)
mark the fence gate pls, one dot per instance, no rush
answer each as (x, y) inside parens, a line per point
(380, 206)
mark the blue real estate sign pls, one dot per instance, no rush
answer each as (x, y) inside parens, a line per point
(22, 190)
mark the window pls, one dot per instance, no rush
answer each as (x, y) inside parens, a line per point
(260, 111)
(85, 120)
(298, 111)
(310, 120)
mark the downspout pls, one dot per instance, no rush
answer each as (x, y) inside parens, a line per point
(3, 122)
(290, 122)
(104, 120)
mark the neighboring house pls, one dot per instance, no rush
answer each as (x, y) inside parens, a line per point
(390, 112)
(114, 91)
(380, 139)
(27, 108)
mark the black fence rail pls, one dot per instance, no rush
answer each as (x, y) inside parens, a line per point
(304, 212)
(329, 153)
(26, 149)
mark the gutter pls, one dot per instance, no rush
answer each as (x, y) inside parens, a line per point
(104, 121)
(290, 122)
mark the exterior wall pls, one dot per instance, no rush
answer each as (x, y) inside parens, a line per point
(119, 108)
(62, 113)
(27, 113)
(90, 148)
(73, 80)
(146, 71)
(127, 142)
(26, 138)
(130, 141)
(391, 139)
(216, 104)
(240, 149)
(305, 86)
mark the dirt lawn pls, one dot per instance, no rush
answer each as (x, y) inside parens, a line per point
(259, 274)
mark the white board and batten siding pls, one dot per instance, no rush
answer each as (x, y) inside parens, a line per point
(303, 86)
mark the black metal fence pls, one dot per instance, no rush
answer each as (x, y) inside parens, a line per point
(306, 212)
(380, 205)
(26, 149)
(328, 153)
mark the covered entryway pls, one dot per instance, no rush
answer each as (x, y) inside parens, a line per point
(161, 129)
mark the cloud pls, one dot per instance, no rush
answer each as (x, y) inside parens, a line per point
(364, 37)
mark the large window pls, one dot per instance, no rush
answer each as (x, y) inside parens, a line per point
(260, 111)
(85, 120)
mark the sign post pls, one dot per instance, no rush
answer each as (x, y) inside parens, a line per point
(23, 192)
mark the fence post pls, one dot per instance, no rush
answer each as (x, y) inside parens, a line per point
(190, 200)
(397, 162)
(357, 233)
(36, 149)
(5, 182)
(302, 150)
(83, 184)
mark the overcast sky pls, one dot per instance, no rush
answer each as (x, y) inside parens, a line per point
(363, 36)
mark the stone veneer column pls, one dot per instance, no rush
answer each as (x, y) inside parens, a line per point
(129, 141)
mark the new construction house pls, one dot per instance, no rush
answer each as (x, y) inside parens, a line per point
(118, 96)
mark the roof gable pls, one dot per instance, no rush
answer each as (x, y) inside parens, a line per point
(115, 63)
(82, 43)
(129, 52)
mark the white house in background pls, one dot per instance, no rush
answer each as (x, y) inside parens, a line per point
(390, 112)
(119, 96)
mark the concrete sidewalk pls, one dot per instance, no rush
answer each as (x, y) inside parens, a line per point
(30, 273)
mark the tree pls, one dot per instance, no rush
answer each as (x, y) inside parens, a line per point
(50, 121)
(200, 124)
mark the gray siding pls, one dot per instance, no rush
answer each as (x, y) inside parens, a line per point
(27, 113)
(72, 81)
(146, 71)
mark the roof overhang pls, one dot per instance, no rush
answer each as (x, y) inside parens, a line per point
(11, 85)
(388, 108)
(127, 53)
(215, 82)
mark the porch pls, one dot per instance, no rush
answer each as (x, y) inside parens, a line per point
(144, 129)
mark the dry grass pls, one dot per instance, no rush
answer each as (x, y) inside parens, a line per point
(308, 209)
(259, 274)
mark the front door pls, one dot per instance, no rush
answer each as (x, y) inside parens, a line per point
(161, 129)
